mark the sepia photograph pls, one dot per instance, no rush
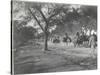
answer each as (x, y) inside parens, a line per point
(53, 37)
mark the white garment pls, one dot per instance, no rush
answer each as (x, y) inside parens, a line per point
(88, 32)
(93, 32)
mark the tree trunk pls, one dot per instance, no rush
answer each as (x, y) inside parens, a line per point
(46, 37)
(46, 42)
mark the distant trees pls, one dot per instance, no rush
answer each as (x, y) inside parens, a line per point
(22, 34)
(28, 32)
(88, 16)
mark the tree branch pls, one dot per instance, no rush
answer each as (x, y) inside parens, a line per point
(56, 12)
(46, 21)
(42, 15)
(36, 20)
(53, 15)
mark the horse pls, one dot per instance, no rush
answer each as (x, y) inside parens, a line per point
(93, 43)
(56, 39)
(67, 40)
(80, 39)
(77, 40)
(84, 39)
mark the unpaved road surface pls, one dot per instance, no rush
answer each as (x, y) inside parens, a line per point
(32, 59)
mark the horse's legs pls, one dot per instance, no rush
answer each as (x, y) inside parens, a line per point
(92, 51)
(69, 44)
(66, 43)
(74, 44)
(88, 44)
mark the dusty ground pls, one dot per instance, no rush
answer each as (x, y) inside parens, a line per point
(32, 59)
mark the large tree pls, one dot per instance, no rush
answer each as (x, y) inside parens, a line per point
(46, 15)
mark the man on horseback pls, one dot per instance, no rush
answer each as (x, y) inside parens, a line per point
(67, 39)
(56, 39)
(81, 37)
(77, 40)
(93, 43)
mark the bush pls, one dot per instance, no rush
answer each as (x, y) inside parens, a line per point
(22, 35)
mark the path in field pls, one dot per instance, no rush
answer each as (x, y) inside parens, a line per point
(32, 59)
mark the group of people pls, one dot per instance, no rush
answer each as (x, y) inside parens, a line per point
(90, 40)
(83, 37)
(86, 36)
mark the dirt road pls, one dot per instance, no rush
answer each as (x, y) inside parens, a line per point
(32, 59)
